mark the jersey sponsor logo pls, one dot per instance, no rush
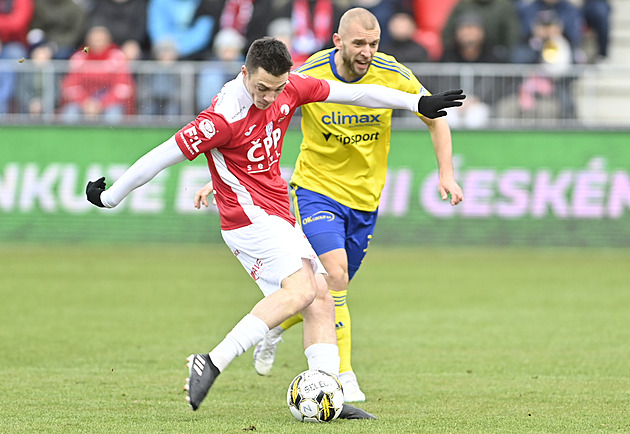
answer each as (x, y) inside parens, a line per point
(318, 216)
(355, 138)
(249, 131)
(264, 152)
(207, 128)
(338, 118)
(191, 139)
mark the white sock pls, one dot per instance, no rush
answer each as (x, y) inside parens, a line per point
(247, 333)
(324, 357)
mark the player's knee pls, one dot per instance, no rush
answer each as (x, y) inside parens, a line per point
(337, 279)
(305, 295)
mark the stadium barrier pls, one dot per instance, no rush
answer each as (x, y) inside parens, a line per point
(522, 188)
(499, 95)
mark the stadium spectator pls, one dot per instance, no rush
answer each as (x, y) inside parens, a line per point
(264, 12)
(567, 13)
(15, 20)
(98, 82)
(126, 20)
(241, 136)
(236, 15)
(7, 82)
(189, 24)
(470, 47)
(34, 84)
(402, 45)
(547, 93)
(160, 92)
(313, 23)
(281, 29)
(470, 44)
(502, 28)
(596, 14)
(431, 17)
(313, 26)
(384, 10)
(341, 176)
(227, 54)
(63, 23)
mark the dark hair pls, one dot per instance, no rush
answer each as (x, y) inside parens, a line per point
(269, 54)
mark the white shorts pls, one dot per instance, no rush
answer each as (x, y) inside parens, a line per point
(270, 250)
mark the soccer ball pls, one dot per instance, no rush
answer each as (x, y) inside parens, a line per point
(315, 396)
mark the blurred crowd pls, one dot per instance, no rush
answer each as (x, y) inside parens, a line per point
(121, 33)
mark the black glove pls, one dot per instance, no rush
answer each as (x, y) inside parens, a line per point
(432, 106)
(94, 190)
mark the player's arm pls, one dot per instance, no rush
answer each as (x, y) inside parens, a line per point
(375, 96)
(443, 147)
(141, 172)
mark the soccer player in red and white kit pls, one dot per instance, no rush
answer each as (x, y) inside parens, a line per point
(241, 136)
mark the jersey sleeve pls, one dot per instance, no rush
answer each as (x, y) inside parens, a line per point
(309, 89)
(209, 130)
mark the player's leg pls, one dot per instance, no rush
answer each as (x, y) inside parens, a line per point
(271, 251)
(359, 230)
(315, 213)
(265, 351)
(326, 224)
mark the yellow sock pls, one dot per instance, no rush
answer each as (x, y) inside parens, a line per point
(290, 322)
(344, 334)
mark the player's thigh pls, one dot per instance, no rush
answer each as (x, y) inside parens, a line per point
(271, 250)
(322, 219)
(359, 234)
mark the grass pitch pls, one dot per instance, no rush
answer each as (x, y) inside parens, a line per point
(94, 339)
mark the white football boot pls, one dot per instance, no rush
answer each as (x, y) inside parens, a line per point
(351, 390)
(265, 351)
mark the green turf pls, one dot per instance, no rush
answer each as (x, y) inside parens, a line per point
(94, 339)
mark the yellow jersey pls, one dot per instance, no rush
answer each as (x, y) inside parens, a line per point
(344, 151)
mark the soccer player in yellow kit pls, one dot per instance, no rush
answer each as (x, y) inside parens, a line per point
(340, 172)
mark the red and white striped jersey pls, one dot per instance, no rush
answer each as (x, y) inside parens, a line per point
(243, 145)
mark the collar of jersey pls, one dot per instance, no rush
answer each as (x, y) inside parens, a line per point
(241, 84)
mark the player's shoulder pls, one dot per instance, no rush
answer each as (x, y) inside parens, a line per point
(317, 60)
(233, 102)
(387, 64)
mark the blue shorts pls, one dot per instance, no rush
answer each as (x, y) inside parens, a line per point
(329, 225)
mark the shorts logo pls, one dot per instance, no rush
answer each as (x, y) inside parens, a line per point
(207, 128)
(319, 215)
(257, 269)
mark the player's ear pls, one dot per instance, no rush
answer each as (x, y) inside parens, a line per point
(336, 40)
(244, 71)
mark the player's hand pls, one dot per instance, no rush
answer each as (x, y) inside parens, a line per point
(201, 197)
(432, 106)
(94, 190)
(450, 186)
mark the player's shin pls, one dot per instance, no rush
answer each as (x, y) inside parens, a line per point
(343, 328)
(288, 323)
